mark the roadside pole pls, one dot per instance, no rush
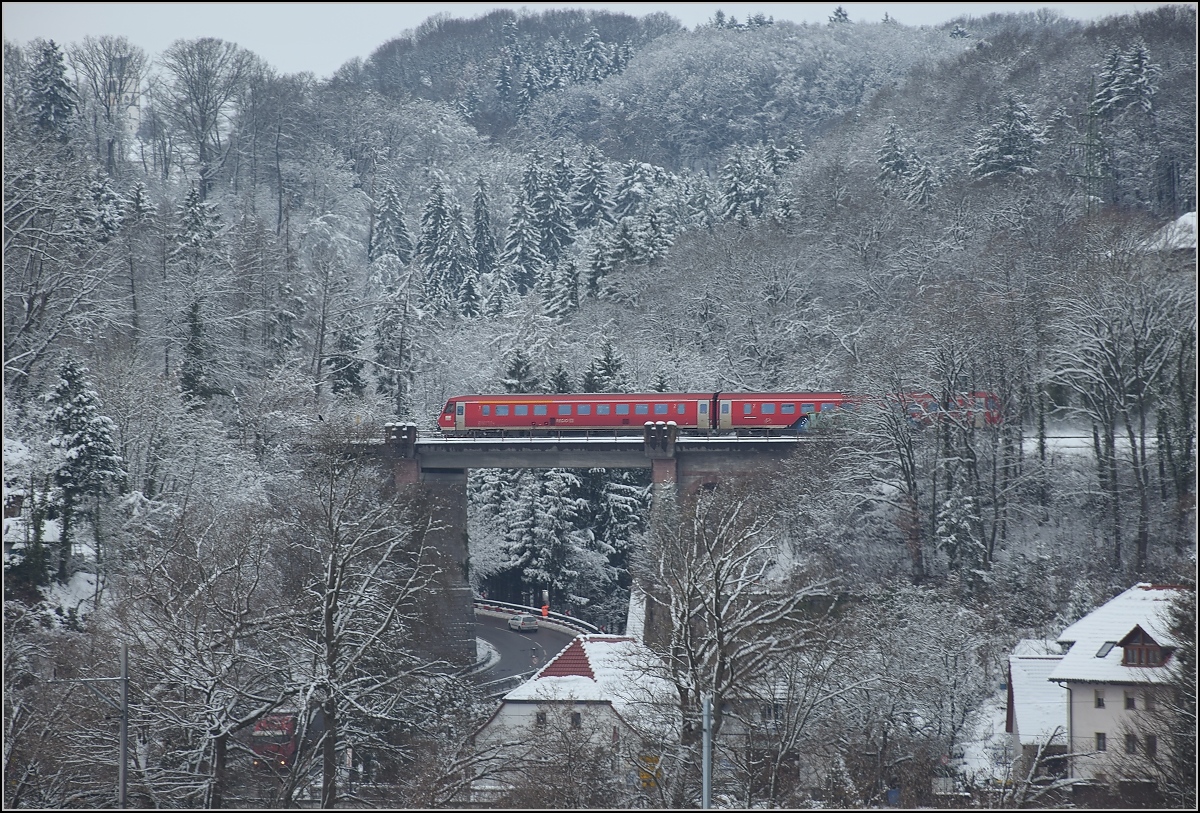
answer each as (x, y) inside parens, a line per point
(706, 758)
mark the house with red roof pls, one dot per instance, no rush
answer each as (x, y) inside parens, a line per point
(609, 688)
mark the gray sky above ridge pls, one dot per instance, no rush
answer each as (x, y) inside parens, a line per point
(321, 37)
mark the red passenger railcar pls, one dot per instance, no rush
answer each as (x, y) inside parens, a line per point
(487, 414)
(704, 412)
(742, 411)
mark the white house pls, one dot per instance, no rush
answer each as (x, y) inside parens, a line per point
(1114, 661)
(1036, 713)
(609, 687)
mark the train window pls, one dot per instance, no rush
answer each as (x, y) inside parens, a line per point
(539, 409)
(564, 409)
(521, 409)
(724, 409)
(449, 410)
(680, 409)
(487, 409)
(788, 409)
(747, 409)
(661, 409)
(703, 408)
(828, 407)
(768, 409)
(622, 409)
(642, 409)
(808, 409)
(462, 409)
(584, 409)
(603, 409)
(501, 409)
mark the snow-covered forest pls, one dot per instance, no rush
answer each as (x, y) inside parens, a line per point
(217, 278)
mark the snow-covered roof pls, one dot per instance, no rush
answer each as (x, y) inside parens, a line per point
(1178, 235)
(1038, 705)
(1144, 605)
(602, 668)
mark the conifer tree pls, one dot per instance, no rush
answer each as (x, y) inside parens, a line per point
(195, 376)
(435, 250)
(594, 59)
(519, 376)
(393, 348)
(1010, 146)
(90, 463)
(346, 365)
(51, 100)
(470, 302)
(104, 214)
(390, 235)
(522, 256)
(607, 372)
(592, 196)
(482, 240)
(893, 158)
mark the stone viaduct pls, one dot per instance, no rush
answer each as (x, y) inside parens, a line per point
(435, 470)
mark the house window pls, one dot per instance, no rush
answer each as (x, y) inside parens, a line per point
(1099, 698)
(1130, 701)
(540, 719)
(1101, 741)
(1148, 700)
(576, 719)
(1131, 743)
(1151, 745)
(1142, 655)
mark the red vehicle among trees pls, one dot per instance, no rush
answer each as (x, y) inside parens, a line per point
(274, 740)
(693, 413)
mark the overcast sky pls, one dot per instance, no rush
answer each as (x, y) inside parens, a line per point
(321, 37)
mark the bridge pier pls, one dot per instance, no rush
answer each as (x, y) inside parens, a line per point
(435, 470)
(439, 497)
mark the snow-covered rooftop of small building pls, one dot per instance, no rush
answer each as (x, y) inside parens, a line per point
(602, 668)
(1178, 235)
(1040, 706)
(1144, 605)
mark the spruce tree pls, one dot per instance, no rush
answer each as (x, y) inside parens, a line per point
(519, 376)
(522, 256)
(592, 195)
(482, 240)
(346, 364)
(90, 463)
(51, 100)
(390, 235)
(1010, 146)
(893, 159)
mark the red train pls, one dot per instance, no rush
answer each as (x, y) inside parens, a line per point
(693, 413)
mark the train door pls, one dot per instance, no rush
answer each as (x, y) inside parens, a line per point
(460, 417)
(703, 419)
(725, 419)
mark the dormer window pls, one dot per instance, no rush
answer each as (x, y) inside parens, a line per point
(1142, 650)
(1140, 655)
